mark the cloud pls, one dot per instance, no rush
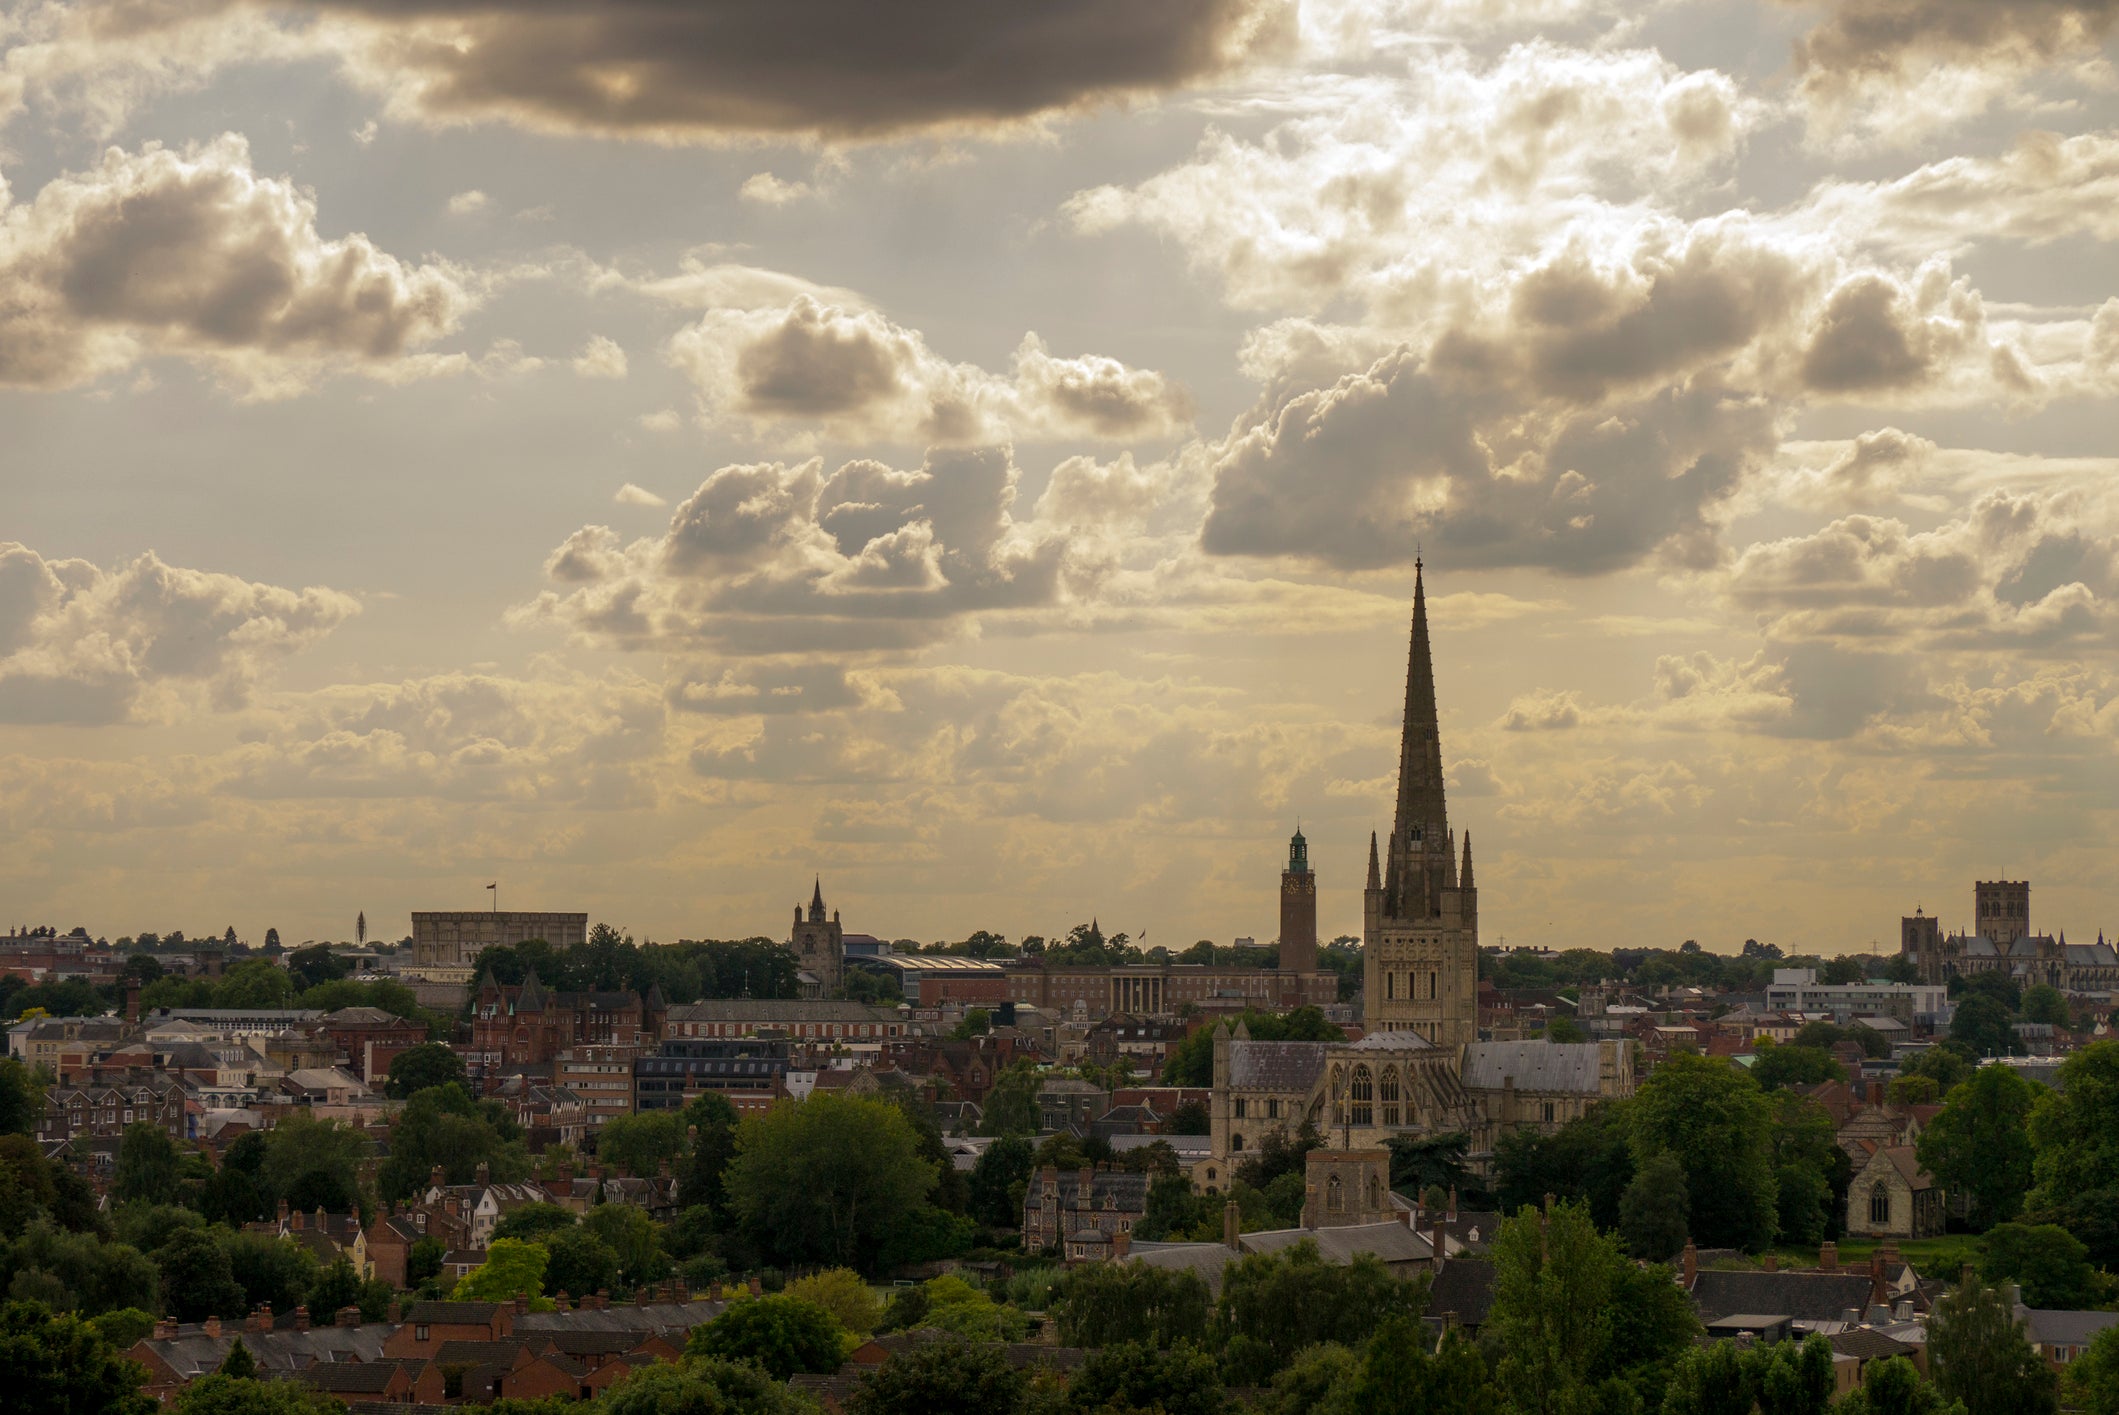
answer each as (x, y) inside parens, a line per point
(600, 358)
(79, 644)
(725, 70)
(469, 203)
(857, 376)
(1896, 70)
(2047, 187)
(194, 255)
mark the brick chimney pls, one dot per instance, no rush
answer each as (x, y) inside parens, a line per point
(301, 1319)
(394, 1313)
(564, 1300)
(212, 1326)
(1121, 1243)
(1231, 1224)
(603, 1298)
(1772, 1263)
(347, 1317)
(1876, 1278)
(1876, 1093)
(1689, 1263)
(296, 1220)
(485, 1174)
(437, 1177)
(1828, 1257)
(165, 1328)
(261, 1319)
(1452, 1203)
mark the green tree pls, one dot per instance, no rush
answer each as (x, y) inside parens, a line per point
(2093, 1377)
(826, 1180)
(339, 1286)
(272, 1270)
(21, 1098)
(238, 1363)
(147, 1165)
(782, 1334)
(444, 1126)
(1396, 1375)
(1895, 1387)
(1307, 1385)
(316, 963)
(845, 1294)
(630, 1234)
(1421, 1163)
(1011, 1104)
(256, 983)
(1792, 1377)
(1714, 1118)
(511, 1266)
(1811, 1172)
(425, 1260)
(124, 1326)
(427, 1065)
(197, 1279)
(1191, 1062)
(1190, 1118)
(1274, 1304)
(2044, 1003)
(698, 1387)
(534, 1221)
(1713, 1379)
(1555, 1278)
(1942, 1064)
(640, 1144)
(998, 1182)
(580, 1262)
(1102, 1303)
(1178, 1380)
(314, 1164)
(1913, 1090)
(2075, 1137)
(1653, 1214)
(1590, 1159)
(710, 1125)
(95, 1275)
(1980, 1355)
(228, 1395)
(947, 1377)
(60, 1365)
(2048, 1263)
(1779, 1066)
(1980, 1025)
(1979, 1145)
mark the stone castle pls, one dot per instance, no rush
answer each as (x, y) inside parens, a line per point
(1420, 1068)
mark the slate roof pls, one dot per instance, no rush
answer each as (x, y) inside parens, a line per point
(766, 1009)
(1866, 1345)
(1392, 1242)
(450, 1313)
(1804, 1296)
(196, 1354)
(1208, 1260)
(1464, 1286)
(2053, 1326)
(651, 1316)
(1275, 1066)
(349, 1377)
(1575, 1067)
(1400, 1040)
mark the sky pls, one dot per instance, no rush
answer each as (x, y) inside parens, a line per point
(649, 455)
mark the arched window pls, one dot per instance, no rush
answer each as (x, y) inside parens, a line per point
(1390, 987)
(1390, 1095)
(1236, 1143)
(1433, 991)
(1334, 1195)
(1880, 1204)
(1338, 1096)
(1375, 1192)
(1361, 1097)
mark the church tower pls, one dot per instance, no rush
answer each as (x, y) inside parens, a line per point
(1298, 909)
(819, 945)
(1421, 917)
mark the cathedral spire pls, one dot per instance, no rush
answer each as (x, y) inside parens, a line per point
(1464, 877)
(816, 901)
(1419, 864)
(1375, 872)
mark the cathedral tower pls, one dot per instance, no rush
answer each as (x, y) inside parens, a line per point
(1298, 910)
(819, 946)
(1421, 936)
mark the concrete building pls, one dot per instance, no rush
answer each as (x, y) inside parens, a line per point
(444, 941)
(602, 1076)
(1798, 990)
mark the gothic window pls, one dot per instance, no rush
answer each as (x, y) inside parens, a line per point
(1880, 1203)
(1338, 1094)
(1236, 1143)
(1334, 1195)
(1375, 1192)
(1273, 1109)
(1390, 1095)
(1433, 991)
(1361, 1093)
(1390, 987)
(1239, 1107)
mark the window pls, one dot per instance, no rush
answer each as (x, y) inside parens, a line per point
(1390, 986)
(1433, 991)
(1548, 1112)
(1880, 1203)
(1334, 1195)
(1361, 1096)
(1375, 1192)
(419, 1333)
(1239, 1107)
(1390, 1096)
(1236, 1143)
(1273, 1109)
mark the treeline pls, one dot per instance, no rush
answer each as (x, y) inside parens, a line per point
(686, 971)
(1687, 965)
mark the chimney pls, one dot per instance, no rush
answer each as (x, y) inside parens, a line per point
(437, 1178)
(1828, 1257)
(1121, 1242)
(394, 1313)
(301, 1319)
(564, 1300)
(1876, 1093)
(347, 1317)
(603, 1298)
(1452, 1203)
(296, 1220)
(485, 1174)
(757, 1288)
(1876, 1278)
(212, 1327)
(1435, 1240)
(260, 1318)
(1231, 1224)
(165, 1328)
(132, 1000)
(1772, 1263)
(1689, 1263)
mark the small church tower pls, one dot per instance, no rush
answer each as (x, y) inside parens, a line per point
(819, 945)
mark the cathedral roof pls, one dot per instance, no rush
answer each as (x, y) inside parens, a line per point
(1534, 1066)
(1275, 1066)
(1403, 1039)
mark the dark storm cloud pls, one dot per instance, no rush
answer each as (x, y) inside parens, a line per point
(1887, 36)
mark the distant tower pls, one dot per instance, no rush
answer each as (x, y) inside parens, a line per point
(2001, 909)
(1920, 943)
(1298, 909)
(819, 944)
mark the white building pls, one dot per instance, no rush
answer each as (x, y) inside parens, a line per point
(1798, 990)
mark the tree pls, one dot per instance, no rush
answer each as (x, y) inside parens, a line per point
(845, 1294)
(1714, 1118)
(1307, 1384)
(1011, 1104)
(1396, 1375)
(1981, 1026)
(2075, 1136)
(1895, 1387)
(1590, 1159)
(1980, 1355)
(998, 1180)
(1179, 1380)
(197, 1279)
(1191, 1062)
(640, 1144)
(21, 1098)
(827, 1180)
(1653, 1214)
(360, 928)
(228, 1395)
(946, 1377)
(271, 1270)
(314, 1164)
(1779, 1066)
(1913, 1090)
(1940, 1063)
(630, 1234)
(1792, 1377)
(2044, 1003)
(272, 941)
(339, 1286)
(511, 1266)
(710, 1126)
(1713, 1379)
(2049, 1264)
(1421, 1163)
(444, 1126)
(238, 1363)
(60, 1365)
(147, 1165)
(977, 1022)
(1102, 1303)
(580, 1263)
(1810, 1171)
(256, 983)
(1839, 972)
(1979, 1146)
(698, 1387)
(314, 964)
(1274, 1304)
(2093, 1377)
(783, 1334)
(428, 1064)
(533, 1222)
(1554, 1280)
(1190, 1118)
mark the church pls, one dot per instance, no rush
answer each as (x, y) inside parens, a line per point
(1420, 1068)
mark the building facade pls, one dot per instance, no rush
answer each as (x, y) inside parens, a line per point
(452, 939)
(2002, 942)
(1298, 909)
(819, 946)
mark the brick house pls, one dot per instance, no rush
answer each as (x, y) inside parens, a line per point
(428, 1326)
(1075, 1210)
